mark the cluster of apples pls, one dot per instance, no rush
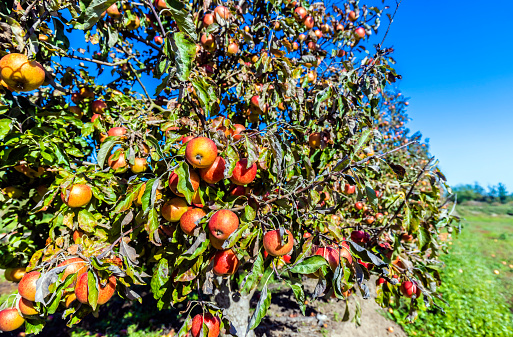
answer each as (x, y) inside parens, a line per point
(18, 74)
(202, 154)
(12, 318)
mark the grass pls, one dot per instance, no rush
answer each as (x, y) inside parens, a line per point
(478, 279)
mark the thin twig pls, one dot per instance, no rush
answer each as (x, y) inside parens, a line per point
(149, 3)
(412, 187)
(390, 24)
(98, 61)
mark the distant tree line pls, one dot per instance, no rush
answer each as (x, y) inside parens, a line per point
(495, 193)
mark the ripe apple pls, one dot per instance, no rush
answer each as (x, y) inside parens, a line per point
(237, 190)
(26, 307)
(188, 221)
(241, 174)
(117, 131)
(79, 195)
(358, 205)
(208, 42)
(225, 263)
(272, 243)
(223, 12)
(95, 116)
(173, 209)
(21, 74)
(113, 11)
(201, 152)
(158, 39)
(351, 16)
(295, 45)
(140, 165)
(381, 281)
(133, 23)
(309, 22)
(69, 299)
(331, 254)
(349, 189)
(98, 107)
(77, 235)
(13, 192)
(10, 320)
(75, 265)
(223, 223)
(105, 292)
(27, 285)
(215, 172)
(318, 140)
(76, 111)
(211, 322)
(312, 45)
(160, 4)
(208, 19)
(300, 13)
(174, 179)
(407, 237)
(360, 31)
(318, 33)
(237, 133)
(120, 164)
(340, 27)
(360, 236)
(186, 139)
(311, 76)
(17, 274)
(369, 220)
(233, 49)
(408, 288)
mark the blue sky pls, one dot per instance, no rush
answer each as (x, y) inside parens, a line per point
(454, 57)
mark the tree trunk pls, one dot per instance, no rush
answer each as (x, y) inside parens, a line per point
(236, 308)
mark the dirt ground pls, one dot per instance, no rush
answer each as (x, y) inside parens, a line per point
(323, 318)
(284, 318)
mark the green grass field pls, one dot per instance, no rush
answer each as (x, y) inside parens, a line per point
(478, 279)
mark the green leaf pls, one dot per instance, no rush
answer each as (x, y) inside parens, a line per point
(424, 238)
(92, 14)
(92, 289)
(185, 53)
(252, 152)
(205, 92)
(183, 18)
(362, 140)
(105, 151)
(34, 326)
(254, 275)
(309, 265)
(371, 195)
(127, 201)
(297, 288)
(147, 195)
(231, 158)
(261, 308)
(249, 214)
(184, 182)
(152, 225)
(86, 221)
(398, 170)
(367, 255)
(160, 278)
(5, 127)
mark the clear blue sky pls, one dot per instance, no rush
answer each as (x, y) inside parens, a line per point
(455, 59)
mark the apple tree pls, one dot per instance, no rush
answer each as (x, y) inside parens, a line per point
(209, 148)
